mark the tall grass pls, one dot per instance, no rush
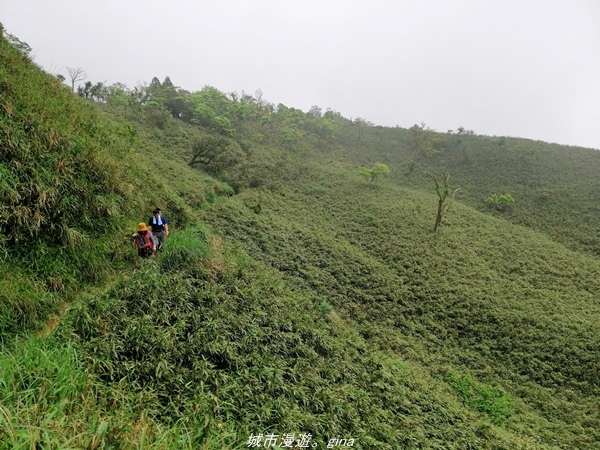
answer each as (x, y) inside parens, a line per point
(214, 359)
(23, 302)
(495, 301)
(69, 181)
(49, 400)
(186, 249)
(44, 396)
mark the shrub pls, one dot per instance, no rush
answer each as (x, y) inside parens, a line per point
(324, 307)
(379, 170)
(486, 399)
(222, 188)
(186, 249)
(501, 202)
(157, 116)
(256, 207)
(215, 153)
(23, 303)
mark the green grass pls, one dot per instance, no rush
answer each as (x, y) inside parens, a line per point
(489, 400)
(186, 250)
(18, 311)
(43, 390)
(493, 299)
(246, 353)
(71, 184)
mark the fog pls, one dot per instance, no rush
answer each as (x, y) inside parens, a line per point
(508, 68)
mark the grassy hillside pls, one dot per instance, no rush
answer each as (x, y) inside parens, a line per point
(294, 297)
(71, 189)
(554, 186)
(483, 298)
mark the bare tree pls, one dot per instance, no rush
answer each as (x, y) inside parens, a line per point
(445, 195)
(76, 74)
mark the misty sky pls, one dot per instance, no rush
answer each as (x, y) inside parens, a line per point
(527, 68)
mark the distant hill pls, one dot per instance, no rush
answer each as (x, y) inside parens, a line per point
(300, 299)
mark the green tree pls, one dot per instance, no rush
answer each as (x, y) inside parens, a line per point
(117, 94)
(421, 141)
(84, 91)
(212, 110)
(290, 134)
(319, 125)
(378, 171)
(172, 98)
(99, 92)
(215, 153)
(361, 125)
(206, 117)
(501, 202)
(139, 95)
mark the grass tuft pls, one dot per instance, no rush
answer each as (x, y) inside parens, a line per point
(486, 399)
(186, 249)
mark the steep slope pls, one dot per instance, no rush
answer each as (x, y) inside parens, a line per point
(71, 189)
(483, 298)
(501, 303)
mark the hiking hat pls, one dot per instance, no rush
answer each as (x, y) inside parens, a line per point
(142, 227)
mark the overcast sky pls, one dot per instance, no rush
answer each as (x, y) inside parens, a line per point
(527, 68)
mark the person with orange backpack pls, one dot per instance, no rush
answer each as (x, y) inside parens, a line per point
(144, 240)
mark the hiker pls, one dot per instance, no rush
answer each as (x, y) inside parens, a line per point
(159, 226)
(144, 240)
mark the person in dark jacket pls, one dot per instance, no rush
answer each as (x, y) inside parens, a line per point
(159, 226)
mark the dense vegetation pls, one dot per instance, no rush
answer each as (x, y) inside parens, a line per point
(303, 290)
